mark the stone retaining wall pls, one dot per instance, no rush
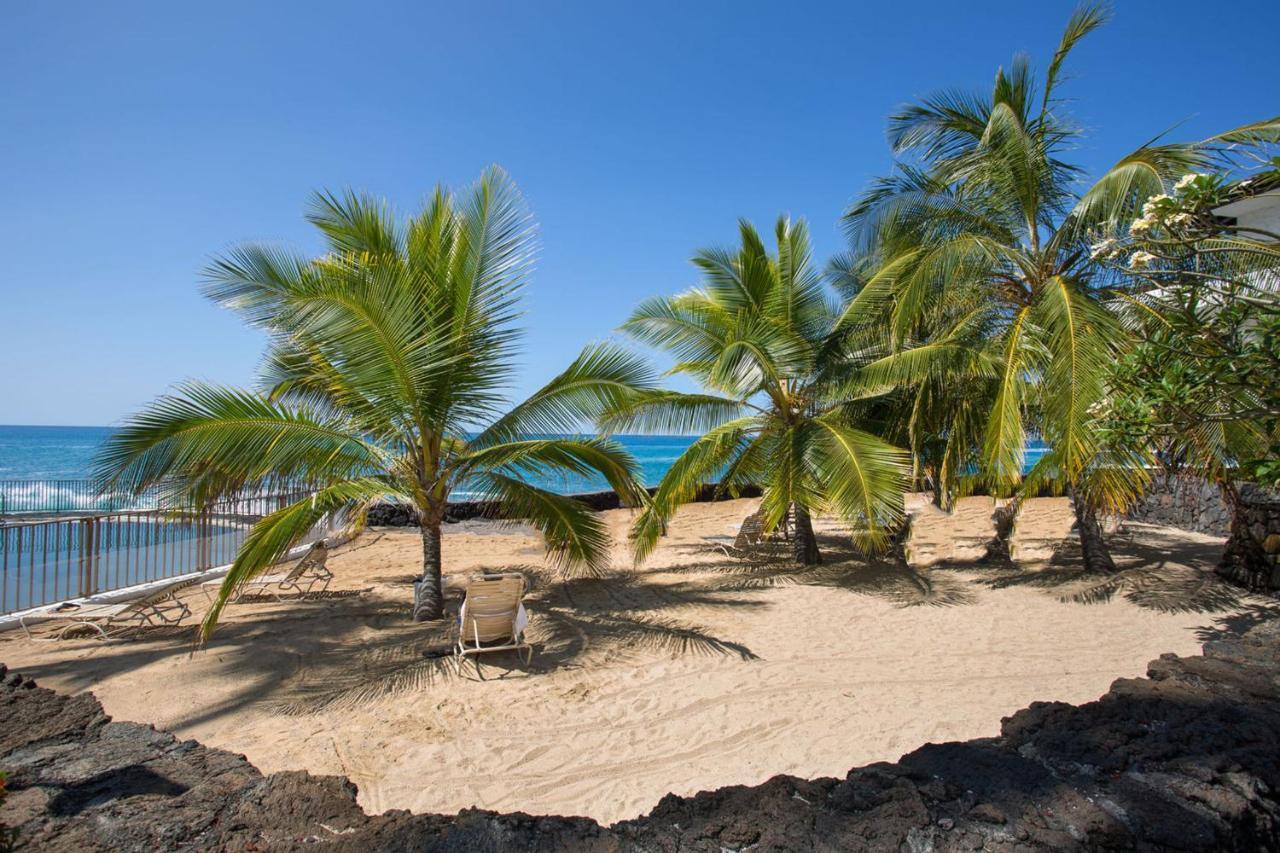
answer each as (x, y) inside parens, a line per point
(1252, 555)
(1179, 501)
(399, 515)
(1185, 502)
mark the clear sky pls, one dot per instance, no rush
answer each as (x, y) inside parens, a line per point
(136, 139)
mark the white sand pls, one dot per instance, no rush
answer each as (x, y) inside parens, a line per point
(690, 673)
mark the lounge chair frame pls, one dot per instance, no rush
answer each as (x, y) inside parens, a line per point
(311, 575)
(483, 639)
(750, 539)
(157, 608)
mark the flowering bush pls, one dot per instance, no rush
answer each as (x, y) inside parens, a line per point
(1202, 384)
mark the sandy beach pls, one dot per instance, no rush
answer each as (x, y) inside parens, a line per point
(692, 672)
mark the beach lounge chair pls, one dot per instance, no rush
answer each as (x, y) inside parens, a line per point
(749, 537)
(493, 618)
(309, 576)
(963, 536)
(929, 536)
(974, 525)
(1039, 529)
(157, 607)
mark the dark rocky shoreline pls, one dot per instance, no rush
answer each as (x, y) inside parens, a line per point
(1187, 758)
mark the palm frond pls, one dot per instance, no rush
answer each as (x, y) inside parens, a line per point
(205, 442)
(270, 540)
(576, 537)
(356, 223)
(699, 464)
(1116, 197)
(582, 456)
(1084, 20)
(602, 380)
(1082, 338)
(670, 412)
(865, 478)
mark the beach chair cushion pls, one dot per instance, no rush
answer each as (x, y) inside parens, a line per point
(974, 528)
(1039, 529)
(963, 535)
(493, 610)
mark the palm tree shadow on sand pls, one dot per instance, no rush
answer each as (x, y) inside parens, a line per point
(345, 649)
(1155, 571)
(843, 567)
(572, 623)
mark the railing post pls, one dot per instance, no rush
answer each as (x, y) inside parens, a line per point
(88, 557)
(202, 535)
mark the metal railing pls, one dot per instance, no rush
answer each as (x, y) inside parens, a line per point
(47, 560)
(65, 496)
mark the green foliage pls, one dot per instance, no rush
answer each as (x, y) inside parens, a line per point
(980, 239)
(1203, 300)
(781, 368)
(386, 354)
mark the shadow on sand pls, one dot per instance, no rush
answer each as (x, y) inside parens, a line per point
(347, 648)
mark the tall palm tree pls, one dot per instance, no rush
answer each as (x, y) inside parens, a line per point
(983, 249)
(760, 337)
(384, 379)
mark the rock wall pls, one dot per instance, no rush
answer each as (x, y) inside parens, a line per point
(1252, 555)
(1179, 501)
(1185, 502)
(399, 515)
(1187, 758)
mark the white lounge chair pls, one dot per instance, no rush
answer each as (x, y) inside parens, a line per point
(493, 618)
(1040, 528)
(750, 538)
(309, 576)
(961, 536)
(160, 606)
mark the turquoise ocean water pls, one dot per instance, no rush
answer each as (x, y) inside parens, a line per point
(42, 566)
(66, 453)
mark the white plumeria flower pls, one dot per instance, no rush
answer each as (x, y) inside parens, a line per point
(1141, 226)
(1140, 260)
(1187, 180)
(1102, 248)
(1150, 207)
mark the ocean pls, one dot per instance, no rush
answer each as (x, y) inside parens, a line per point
(42, 469)
(48, 452)
(66, 453)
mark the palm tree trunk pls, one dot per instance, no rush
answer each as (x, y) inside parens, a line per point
(805, 543)
(428, 595)
(1093, 547)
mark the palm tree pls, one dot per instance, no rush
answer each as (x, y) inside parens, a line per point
(985, 278)
(383, 380)
(760, 337)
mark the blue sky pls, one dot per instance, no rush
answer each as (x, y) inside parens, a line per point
(140, 138)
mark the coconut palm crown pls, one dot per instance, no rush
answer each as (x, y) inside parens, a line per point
(986, 282)
(759, 335)
(384, 380)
